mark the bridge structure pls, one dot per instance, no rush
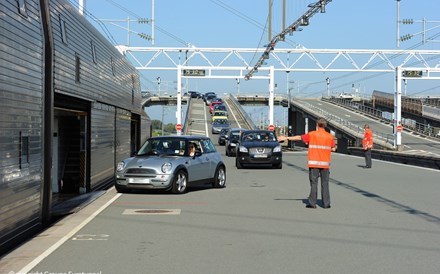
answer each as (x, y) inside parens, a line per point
(214, 62)
(345, 121)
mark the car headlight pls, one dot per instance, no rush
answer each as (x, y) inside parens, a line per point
(277, 149)
(233, 144)
(120, 166)
(243, 149)
(166, 167)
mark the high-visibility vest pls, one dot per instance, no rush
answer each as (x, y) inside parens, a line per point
(367, 142)
(320, 148)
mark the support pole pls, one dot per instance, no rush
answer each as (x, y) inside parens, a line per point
(179, 97)
(81, 7)
(398, 109)
(398, 23)
(271, 93)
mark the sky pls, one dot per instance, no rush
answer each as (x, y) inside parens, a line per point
(346, 24)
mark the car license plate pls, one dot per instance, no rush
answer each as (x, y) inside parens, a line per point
(260, 156)
(138, 180)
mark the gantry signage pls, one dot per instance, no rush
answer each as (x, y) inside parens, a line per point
(193, 72)
(412, 73)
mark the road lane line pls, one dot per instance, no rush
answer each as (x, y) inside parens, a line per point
(51, 249)
(235, 118)
(206, 121)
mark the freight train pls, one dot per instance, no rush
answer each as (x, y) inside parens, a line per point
(70, 109)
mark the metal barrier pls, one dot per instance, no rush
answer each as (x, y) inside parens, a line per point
(245, 115)
(408, 124)
(185, 120)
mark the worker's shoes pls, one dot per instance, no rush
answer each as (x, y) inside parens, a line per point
(310, 206)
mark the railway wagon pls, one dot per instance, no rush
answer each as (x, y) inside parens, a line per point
(70, 109)
(409, 105)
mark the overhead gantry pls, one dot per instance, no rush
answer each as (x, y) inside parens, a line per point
(212, 60)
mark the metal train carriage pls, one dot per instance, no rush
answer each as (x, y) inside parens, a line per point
(70, 109)
(409, 105)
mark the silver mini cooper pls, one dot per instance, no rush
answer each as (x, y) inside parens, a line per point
(166, 162)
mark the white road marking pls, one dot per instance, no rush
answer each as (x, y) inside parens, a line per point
(206, 121)
(91, 237)
(51, 249)
(235, 118)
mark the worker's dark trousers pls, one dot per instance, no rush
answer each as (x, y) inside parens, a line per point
(368, 162)
(314, 174)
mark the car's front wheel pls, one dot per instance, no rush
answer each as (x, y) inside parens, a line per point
(120, 189)
(220, 177)
(238, 164)
(180, 182)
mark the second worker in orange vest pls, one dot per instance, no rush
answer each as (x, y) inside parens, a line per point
(367, 145)
(321, 145)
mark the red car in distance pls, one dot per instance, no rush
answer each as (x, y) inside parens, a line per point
(211, 107)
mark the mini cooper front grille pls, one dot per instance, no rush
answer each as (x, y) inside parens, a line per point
(140, 171)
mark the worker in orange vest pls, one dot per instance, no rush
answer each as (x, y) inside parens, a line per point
(367, 145)
(321, 144)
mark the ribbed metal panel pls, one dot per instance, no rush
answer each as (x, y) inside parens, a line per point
(108, 81)
(145, 128)
(21, 82)
(102, 145)
(123, 124)
(98, 81)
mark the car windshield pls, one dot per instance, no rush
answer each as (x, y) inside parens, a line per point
(235, 135)
(171, 147)
(220, 121)
(259, 136)
(220, 107)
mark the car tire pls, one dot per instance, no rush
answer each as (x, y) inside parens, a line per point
(120, 189)
(180, 182)
(238, 164)
(220, 177)
(278, 166)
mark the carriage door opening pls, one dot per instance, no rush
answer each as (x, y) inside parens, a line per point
(70, 151)
(83, 152)
(55, 184)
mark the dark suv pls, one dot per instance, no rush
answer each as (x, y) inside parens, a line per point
(259, 147)
(232, 140)
(222, 136)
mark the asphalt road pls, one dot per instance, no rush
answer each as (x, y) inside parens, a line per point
(382, 220)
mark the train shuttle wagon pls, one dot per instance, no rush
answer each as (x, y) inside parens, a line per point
(70, 109)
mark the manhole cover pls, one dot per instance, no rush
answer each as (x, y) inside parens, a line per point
(151, 212)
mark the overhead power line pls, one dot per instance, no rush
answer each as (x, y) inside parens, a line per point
(302, 21)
